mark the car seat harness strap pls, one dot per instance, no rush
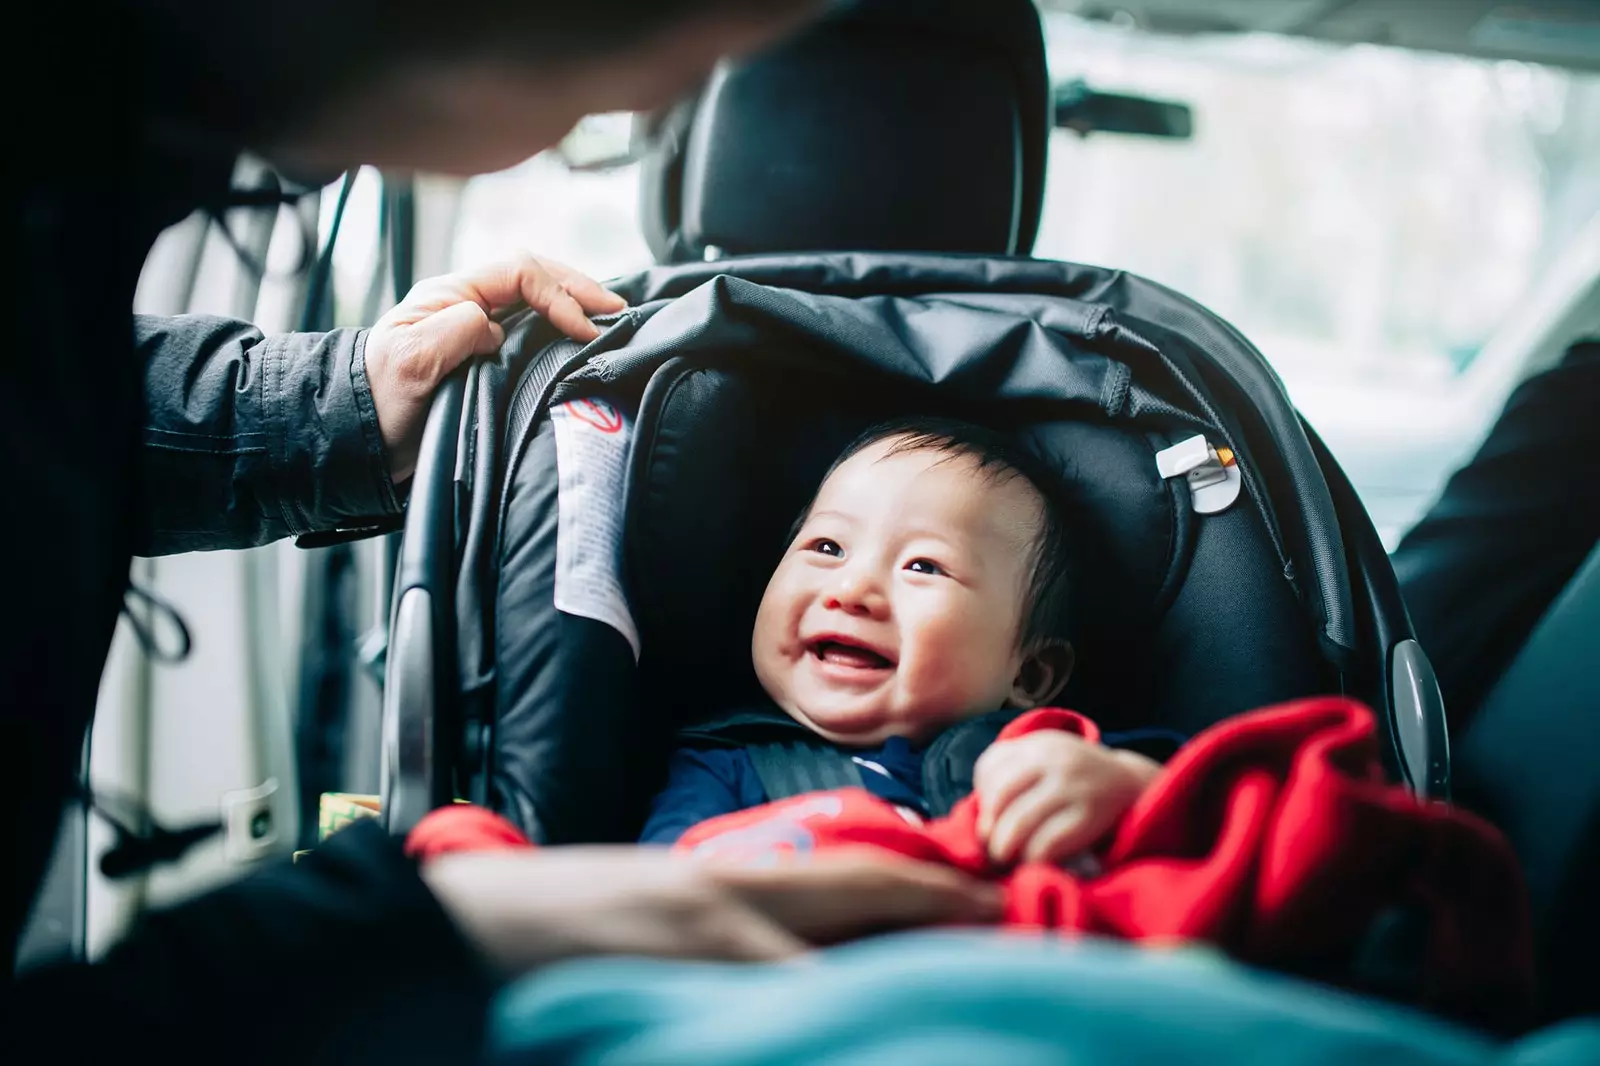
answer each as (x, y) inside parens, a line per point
(790, 768)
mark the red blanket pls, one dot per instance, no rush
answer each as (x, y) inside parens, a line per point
(1272, 835)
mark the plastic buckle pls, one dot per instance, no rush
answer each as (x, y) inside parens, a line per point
(1212, 474)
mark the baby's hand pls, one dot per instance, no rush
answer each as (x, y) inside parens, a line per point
(1050, 795)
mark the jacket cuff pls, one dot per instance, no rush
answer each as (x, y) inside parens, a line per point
(333, 470)
(387, 498)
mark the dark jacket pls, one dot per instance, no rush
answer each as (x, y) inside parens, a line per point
(1508, 531)
(242, 440)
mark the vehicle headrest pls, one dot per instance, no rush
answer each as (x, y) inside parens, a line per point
(891, 125)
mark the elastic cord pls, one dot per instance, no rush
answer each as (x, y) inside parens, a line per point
(145, 632)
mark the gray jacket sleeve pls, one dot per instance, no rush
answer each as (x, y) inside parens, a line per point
(249, 438)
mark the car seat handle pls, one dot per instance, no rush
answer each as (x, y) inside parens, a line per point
(419, 677)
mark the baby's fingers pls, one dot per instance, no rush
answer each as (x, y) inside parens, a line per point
(1016, 825)
(1064, 834)
(998, 782)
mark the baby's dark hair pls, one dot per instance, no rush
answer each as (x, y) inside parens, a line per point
(1047, 610)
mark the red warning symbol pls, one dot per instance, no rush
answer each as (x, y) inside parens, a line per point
(597, 413)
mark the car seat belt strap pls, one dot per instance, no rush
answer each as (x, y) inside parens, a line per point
(795, 767)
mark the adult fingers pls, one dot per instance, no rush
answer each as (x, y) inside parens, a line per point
(564, 296)
(592, 296)
(567, 315)
(736, 932)
(540, 283)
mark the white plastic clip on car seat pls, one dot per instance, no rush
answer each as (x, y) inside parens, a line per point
(1212, 473)
(248, 830)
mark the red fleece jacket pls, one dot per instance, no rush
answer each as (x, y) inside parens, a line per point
(1272, 835)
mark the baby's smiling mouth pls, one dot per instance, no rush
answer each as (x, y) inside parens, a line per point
(840, 651)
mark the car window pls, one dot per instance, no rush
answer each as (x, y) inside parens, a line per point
(585, 218)
(1371, 218)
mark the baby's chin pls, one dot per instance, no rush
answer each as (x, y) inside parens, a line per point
(854, 727)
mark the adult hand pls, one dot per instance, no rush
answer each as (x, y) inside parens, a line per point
(523, 910)
(445, 320)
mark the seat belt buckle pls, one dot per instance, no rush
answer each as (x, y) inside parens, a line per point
(1211, 473)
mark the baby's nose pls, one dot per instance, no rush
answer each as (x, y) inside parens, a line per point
(857, 594)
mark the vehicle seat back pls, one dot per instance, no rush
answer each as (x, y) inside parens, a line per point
(1530, 763)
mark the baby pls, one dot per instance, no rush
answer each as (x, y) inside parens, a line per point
(926, 584)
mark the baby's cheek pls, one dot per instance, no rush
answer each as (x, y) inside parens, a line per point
(960, 677)
(987, 661)
(773, 671)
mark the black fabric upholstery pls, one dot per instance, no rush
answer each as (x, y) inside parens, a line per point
(1231, 640)
(570, 681)
(780, 155)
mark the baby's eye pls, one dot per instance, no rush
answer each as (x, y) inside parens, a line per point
(924, 566)
(825, 546)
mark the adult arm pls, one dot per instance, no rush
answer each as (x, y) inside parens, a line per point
(354, 955)
(1508, 532)
(248, 438)
(343, 957)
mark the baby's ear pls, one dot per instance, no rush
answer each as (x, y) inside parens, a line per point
(1042, 675)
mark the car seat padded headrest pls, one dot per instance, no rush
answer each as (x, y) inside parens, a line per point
(893, 125)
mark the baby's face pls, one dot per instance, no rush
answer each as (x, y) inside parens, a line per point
(897, 609)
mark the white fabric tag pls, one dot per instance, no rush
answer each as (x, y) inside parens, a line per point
(591, 463)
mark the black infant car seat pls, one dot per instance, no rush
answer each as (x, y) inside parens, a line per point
(590, 528)
(688, 437)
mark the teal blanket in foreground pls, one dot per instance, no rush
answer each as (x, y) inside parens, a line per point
(966, 999)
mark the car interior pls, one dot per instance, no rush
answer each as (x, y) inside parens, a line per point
(987, 166)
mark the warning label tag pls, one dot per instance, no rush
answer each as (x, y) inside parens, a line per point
(591, 462)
